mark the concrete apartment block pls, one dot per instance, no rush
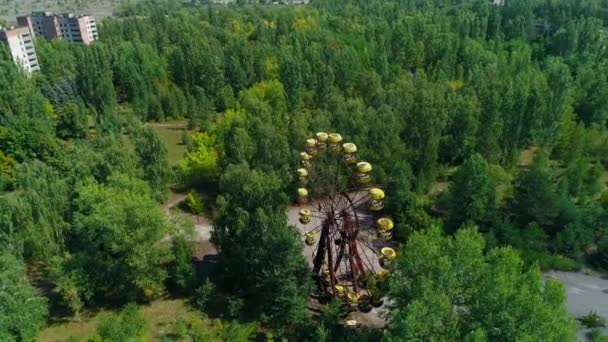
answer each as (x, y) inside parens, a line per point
(73, 28)
(20, 42)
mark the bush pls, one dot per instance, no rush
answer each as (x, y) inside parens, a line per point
(599, 258)
(592, 320)
(204, 295)
(595, 335)
(181, 270)
(195, 203)
(209, 299)
(548, 261)
(604, 199)
(186, 138)
(196, 329)
(126, 327)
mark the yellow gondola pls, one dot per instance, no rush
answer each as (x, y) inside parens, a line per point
(335, 141)
(305, 216)
(353, 300)
(340, 290)
(349, 153)
(387, 256)
(310, 238)
(363, 170)
(351, 323)
(385, 228)
(302, 196)
(305, 159)
(311, 147)
(376, 199)
(302, 175)
(321, 140)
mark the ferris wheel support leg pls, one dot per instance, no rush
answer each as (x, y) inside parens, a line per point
(319, 258)
(323, 250)
(332, 274)
(353, 268)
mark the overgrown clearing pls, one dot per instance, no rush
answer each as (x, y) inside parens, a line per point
(171, 133)
(160, 316)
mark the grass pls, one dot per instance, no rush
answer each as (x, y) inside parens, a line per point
(527, 156)
(171, 134)
(160, 316)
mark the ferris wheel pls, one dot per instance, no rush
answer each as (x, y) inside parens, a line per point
(344, 222)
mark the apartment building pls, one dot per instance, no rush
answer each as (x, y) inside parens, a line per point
(20, 43)
(73, 28)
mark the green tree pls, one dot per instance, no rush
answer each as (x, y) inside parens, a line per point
(72, 121)
(7, 171)
(261, 257)
(195, 203)
(534, 195)
(26, 126)
(473, 194)
(117, 232)
(291, 78)
(423, 131)
(559, 102)
(153, 160)
(464, 113)
(23, 311)
(200, 166)
(94, 78)
(446, 288)
(39, 208)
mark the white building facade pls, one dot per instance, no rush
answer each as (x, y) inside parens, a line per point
(20, 43)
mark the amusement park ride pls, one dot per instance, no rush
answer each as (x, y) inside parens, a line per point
(348, 233)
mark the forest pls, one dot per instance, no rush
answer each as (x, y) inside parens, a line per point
(487, 122)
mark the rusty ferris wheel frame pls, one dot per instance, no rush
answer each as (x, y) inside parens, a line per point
(344, 249)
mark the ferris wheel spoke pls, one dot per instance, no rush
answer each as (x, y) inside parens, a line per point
(361, 200)
(370, 263)
(366, 244)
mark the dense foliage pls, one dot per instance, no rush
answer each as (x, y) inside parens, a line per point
(22, 310)
(447, 289)
(471, 112)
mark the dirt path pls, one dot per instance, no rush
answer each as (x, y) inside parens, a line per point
(202, 224)
(173, 200)
(173, 125)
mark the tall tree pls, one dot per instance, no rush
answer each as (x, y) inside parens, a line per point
(117, 232)
(153, 160)
(534, 196)
(23, 311)
(94, 78)
(473, 194)
(261, 257)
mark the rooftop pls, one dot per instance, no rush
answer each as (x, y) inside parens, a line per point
(64, 15)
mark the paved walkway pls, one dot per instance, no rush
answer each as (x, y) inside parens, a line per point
(585, 293)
